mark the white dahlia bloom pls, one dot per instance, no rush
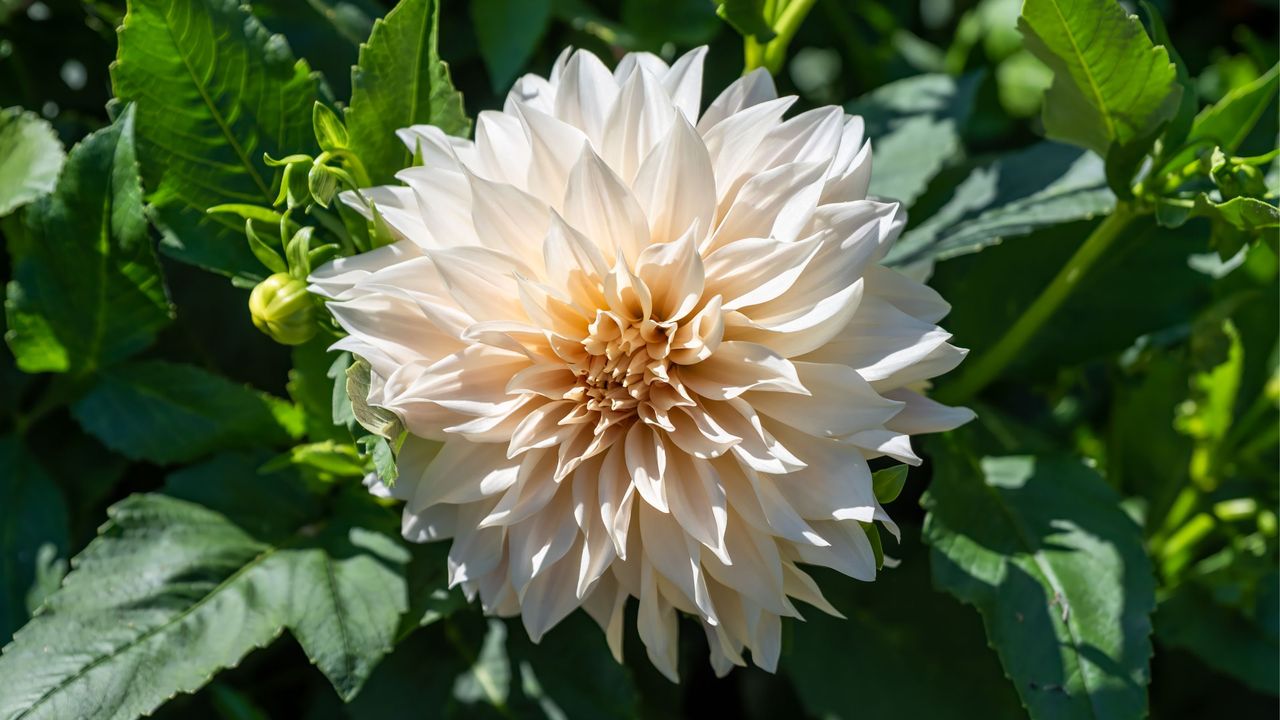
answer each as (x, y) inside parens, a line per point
(642, 351)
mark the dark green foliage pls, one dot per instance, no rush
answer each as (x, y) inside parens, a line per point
(183, 525)
(86, 290)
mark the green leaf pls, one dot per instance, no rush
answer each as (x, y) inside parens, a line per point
(172, 591)
(488, 680)
(686, 23)
(894, 654)
(430, 598)
(1111, 85)
(1047, 184)
(1180, 124)
(507, 32)
(1147, 275)
(1042, 549)
(1146, 456)
(747, 17)
(34, 516)
(1226, 639)
(888, 483)
(914, 126)
(401, 81)
(312, 389)
(326, 33)
(1228, 122)
(214, 91)
(339, 460)
(166, 413)
(30, 158)
(423, 661)
(1243, 213)
(86, 290)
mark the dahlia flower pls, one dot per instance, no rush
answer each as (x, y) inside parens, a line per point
(643, 351)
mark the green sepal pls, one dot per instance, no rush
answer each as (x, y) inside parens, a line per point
(268, 257)
(888, 483)
(331, 132)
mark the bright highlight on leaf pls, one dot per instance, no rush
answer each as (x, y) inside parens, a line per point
(1111, 85)
(30, 158)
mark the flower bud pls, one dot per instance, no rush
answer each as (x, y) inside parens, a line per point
(322, 183)
(282, 308)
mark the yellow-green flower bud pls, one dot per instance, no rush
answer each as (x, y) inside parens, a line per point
(283, 309)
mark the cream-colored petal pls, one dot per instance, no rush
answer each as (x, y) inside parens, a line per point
(738, 367)
(881, 340)
(539, 542)
(698, 502)
(586, 92)
(639, 119)
(646, 456)
(676, 187)
(757, 207)
(683, 82)
(481, 281)
(674, 276)
(462, 472)
(756, 270)
(909, 296)
(508, 220)
(554, 148)
(549, 598)
(502, 148)
(839, 403)
(751, 89)
(922, 415)
(600, 206)
(633, 61)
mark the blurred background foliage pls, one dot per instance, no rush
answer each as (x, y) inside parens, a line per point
(1160, 369)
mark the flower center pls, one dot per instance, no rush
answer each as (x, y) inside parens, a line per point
(623, 360)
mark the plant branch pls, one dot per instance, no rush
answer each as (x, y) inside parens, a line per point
(990, 364)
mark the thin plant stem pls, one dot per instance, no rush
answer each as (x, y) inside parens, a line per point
(786, 26)
(990, 364)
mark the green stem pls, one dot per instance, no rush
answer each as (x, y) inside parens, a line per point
(784, 17)
(788, 23)
(752, 54)
(990, 364)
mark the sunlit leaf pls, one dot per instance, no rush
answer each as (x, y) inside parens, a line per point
(1045, 185)
(173, 591)
(86, 290)
(914, 126)
(1111, 85)
(401, 81)
(214, 92)
(30, 158)
(1040, 546)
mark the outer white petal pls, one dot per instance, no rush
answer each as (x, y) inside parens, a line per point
(751, 89)
(676, 187)
(599, 205)
(684, 83)
(921, 415)
(585, 94)
(839, 403)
